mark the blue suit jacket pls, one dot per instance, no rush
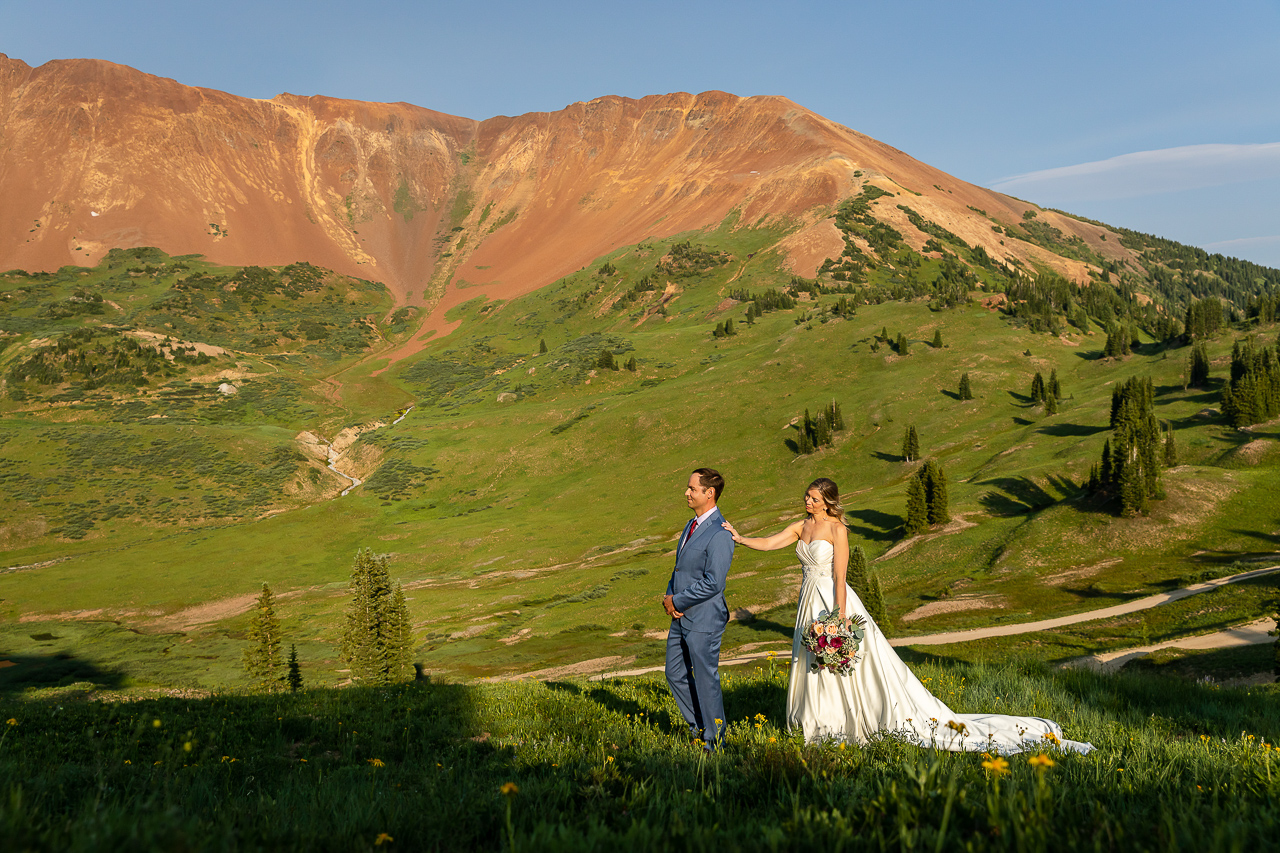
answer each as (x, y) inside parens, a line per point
(702, 568)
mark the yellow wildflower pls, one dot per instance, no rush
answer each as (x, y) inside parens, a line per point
(382, 838)
(510, 789)
(1040, 761)
(377, 762)
(11, 721)
(998, 766)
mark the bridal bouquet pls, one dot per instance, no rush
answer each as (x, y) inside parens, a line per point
(834, 642)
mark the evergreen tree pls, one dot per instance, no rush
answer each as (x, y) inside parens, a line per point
(875, 605)
(937, 339)
(856, 575)
(399, 638)
(1037, 388)
(542, 347)
(1170, 448)
(917, 508)
(1054, 389)
(936, 501)
(728, 328)
(606, 360)
(375, 640)
(1130, 468)
(294, 678)
(262, 659)
(966, 390)
(631, 364)
(901, 345)
(1050, 404)
(910, 444)
(1199, 368)
(836, 417)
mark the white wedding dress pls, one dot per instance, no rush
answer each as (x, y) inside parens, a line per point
(882, 694)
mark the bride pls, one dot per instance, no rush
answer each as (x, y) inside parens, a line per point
(881, 694)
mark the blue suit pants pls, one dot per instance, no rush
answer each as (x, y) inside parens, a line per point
(693, 671)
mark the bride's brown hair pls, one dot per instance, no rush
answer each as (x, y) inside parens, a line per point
(830, 496)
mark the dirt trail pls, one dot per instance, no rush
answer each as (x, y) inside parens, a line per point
(1254, 632)
(1088, 616)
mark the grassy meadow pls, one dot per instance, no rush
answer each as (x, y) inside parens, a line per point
(568, 764)
(530, 500)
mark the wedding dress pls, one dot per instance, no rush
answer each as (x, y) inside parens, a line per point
(882, 694)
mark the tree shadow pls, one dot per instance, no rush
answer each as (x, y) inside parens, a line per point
(1021, 398)
(1022, 421)
(1070, 430)
(54, 670)
(1019, 495)
(766, 626)
(952, 394)
(883, 526)
(888, 457)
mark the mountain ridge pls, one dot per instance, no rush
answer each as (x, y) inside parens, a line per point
(442, 208)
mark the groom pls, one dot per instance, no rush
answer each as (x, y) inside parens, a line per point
(695, 603)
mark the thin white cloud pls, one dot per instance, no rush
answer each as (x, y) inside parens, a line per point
(1225, 246)
(1145, 173)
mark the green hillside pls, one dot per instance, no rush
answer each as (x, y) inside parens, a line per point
(530, 499)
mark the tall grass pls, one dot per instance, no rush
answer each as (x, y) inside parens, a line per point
(576, 765)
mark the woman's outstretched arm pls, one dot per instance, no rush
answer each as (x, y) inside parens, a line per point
(840, 570)
(766, 543)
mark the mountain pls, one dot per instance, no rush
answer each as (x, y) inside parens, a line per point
(440, 208)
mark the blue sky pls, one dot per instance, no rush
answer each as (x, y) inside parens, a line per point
(1164, 117)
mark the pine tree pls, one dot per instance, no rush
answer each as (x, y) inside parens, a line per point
(606, 360)
(728, 328)
(966, 390)
(910, 444)
(1199, 368)
(937, 339)
(631, 364)
(917, 508)
(901, 345)
(399, 638)
(294, 678)
(936, 501)
(1050, 404)
(856, 575)
(1170, 447)
(875, 606)
(376, 641)
(262, 659)
(1054, 389)
(1037, 388)
(542, 347)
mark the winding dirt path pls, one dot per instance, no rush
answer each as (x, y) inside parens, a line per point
(1254, 632)
(1088, 616)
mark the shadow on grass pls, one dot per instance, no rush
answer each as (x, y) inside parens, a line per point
(952, 394)
(53, 670)
(1069, 430)
(882, 526)
(887, 457)
(1019, 495)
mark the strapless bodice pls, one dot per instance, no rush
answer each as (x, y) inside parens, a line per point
(816, 557)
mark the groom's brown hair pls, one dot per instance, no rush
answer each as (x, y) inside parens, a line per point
(711, 479)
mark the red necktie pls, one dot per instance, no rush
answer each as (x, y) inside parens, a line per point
(692, 527)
